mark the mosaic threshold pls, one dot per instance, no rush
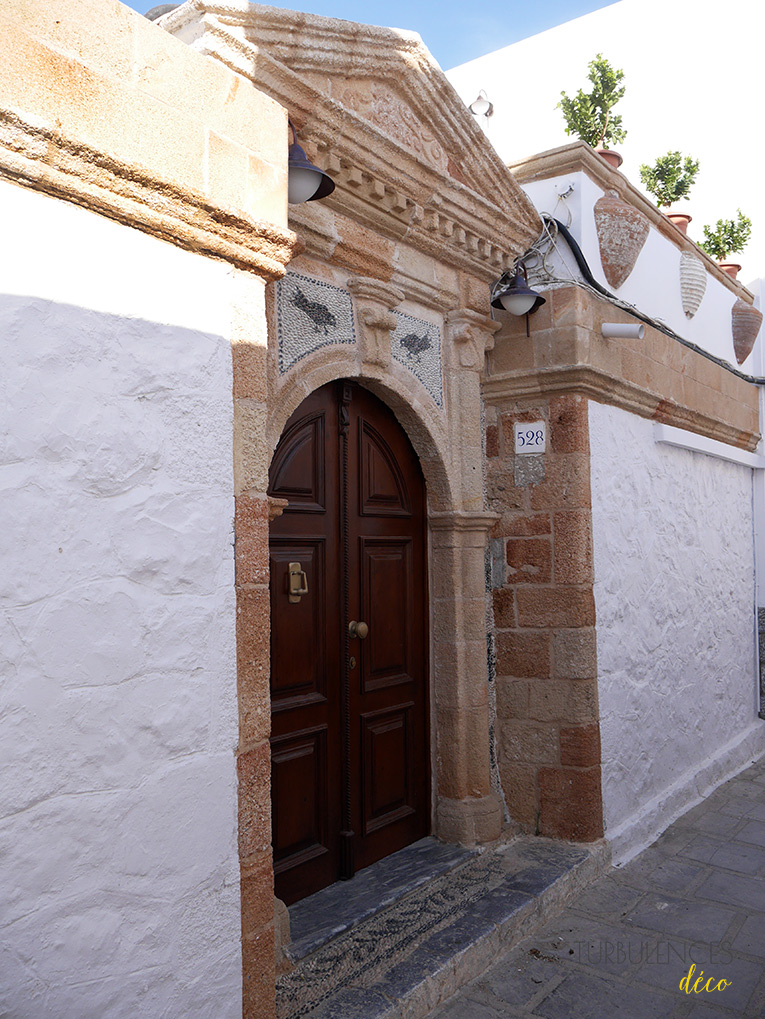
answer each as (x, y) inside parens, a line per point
(422, 923)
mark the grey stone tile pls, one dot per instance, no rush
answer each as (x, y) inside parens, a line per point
(465, 1008)
(535, 879)
(757, 813)
(591, 942)
(586, 996)
(521, 977)
(354, 1003)
(700, 1010)
(452, 940)
(702, 848)
(744, 787)
(734, 890)
(673, 840)
(502, 906)
(714, 823)
(696, 921)
(608, 898)
(640, 867)
(741, 806)
(753, 832)
(420, 975)
(751, 938)
(741, 857)
(717, 963)
(673, 876)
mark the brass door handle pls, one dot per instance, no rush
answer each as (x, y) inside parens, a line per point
(359, 630)
(297, 582)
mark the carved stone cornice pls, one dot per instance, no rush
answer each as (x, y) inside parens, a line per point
(374, 302)
(599, 385)
(45, 159)
(471, 335)
(473, 215)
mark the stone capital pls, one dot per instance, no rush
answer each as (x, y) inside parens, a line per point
(470, 335)
(374, 303)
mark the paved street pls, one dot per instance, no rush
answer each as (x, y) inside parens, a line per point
(694, 902)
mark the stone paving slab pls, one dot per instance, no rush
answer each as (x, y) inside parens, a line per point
(621, 947)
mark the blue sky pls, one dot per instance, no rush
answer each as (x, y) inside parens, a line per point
(453, 31)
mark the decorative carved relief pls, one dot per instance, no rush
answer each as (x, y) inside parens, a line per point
(374, 308)
(746, 322)
(471, 335)
(693, 282)
(310, 314)
(377, 104)
(622, 232)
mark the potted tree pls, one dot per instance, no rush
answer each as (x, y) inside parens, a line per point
(669, 179)
(589, 115)
(728, 237)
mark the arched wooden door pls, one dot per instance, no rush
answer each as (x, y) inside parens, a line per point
(349, 745)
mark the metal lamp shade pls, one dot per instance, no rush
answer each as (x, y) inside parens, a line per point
(306, 182)
(517, 297)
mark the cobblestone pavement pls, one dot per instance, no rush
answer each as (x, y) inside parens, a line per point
(691, 904)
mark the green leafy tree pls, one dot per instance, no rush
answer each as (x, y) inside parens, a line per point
(589, 116)
(728, 236)
(670, 178)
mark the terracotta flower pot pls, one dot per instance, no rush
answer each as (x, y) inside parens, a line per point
(731, 268)
(680, 219)
(611, 157)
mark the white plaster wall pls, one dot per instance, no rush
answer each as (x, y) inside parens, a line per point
(118, 716)
(674, 595)
(653, 286)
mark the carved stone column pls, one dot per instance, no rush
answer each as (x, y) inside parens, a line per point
(374, 302)
(467, 810)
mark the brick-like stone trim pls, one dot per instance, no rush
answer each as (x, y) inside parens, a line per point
(656, 377)
(544, 622)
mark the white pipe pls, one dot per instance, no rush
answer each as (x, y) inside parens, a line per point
(623, 330)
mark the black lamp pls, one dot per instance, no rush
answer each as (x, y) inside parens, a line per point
(516, 296)
(305, 181)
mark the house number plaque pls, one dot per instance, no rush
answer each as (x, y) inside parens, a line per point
(530, 437)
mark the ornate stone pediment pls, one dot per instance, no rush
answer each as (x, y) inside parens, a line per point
(375, 111)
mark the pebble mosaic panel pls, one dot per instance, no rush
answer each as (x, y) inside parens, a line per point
(416, 344)
(310, 314)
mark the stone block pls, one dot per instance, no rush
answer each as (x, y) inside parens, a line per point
(251, 536)
(362, 250)
(257, 891)
(249, 364)
(528, 742)
(512, 698)
(529, 561)
(573, 556)
(523, 654)
(570, 803)
(468, 820)
(520, 788)
(251, 452)
(258, 975)
(580, 745)
(555, 607)
(254, 772)
(521, 525)
(462, 752)
(575, 654)
(504, 608)
(566, 484)
(563, 700)
(492, 441)
(569, 424)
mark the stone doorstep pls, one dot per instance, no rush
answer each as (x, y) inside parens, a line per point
(409, 955)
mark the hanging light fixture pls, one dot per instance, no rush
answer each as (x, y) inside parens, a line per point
(516, 296)
(305, 181)
(481, 106)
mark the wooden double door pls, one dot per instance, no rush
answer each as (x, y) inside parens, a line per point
(349, 700)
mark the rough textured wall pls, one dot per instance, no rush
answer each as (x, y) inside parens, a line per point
(674, 593)
(548, 741)
(118, 717)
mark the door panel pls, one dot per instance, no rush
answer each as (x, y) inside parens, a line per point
(350, 745)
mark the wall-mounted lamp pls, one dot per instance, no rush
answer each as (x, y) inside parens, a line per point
(481, 107)
(305, 181)
(623, 330)
(516, 296)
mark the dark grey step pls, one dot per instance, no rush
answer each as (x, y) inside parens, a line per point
(404, 957)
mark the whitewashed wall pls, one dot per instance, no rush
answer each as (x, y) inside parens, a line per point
(674, 596)
(117, 655)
